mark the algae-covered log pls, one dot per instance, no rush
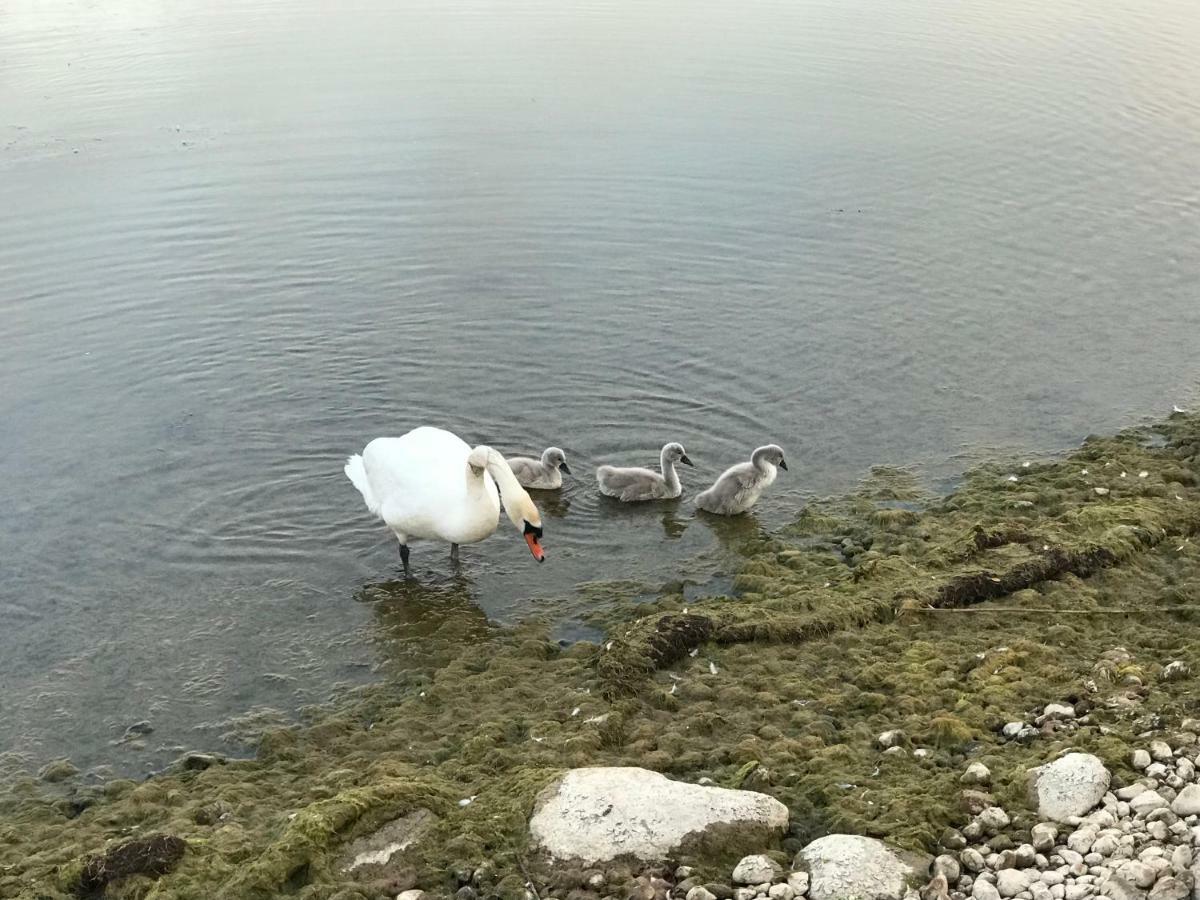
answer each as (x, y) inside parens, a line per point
(1075, 582)
(953, 560)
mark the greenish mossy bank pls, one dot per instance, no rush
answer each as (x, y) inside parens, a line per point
(942, 617)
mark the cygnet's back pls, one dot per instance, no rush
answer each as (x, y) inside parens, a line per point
(740, 486)
(632, 485)
(543, 474)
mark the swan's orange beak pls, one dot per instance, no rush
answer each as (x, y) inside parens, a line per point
(534, 547)
(533, 537)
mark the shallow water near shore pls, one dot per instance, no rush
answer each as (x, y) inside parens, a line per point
(241, 241)
(940, 619)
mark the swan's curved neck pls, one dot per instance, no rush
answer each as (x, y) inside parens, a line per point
(514, 497)
(759, 459)
(668, 470)
(498, 468)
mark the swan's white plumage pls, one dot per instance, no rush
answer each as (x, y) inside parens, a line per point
(357, 473)
(422, 486)
(430, 484)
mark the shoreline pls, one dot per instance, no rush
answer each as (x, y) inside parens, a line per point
(942, 618)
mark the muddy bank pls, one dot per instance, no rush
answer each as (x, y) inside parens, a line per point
(943, 619)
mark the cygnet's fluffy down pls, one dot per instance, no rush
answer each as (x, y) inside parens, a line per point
(740, 486)
(632, 485)
(543, 474)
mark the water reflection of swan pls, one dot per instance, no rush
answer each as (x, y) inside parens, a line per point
(417, 622)
(553, 504)
(634, 518)
(672, 526)
(743, 535)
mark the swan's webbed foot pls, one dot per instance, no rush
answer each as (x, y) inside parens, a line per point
(404, 559)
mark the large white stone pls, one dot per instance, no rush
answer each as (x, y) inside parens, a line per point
(1130, 791)
(798, 882)
(976, 773)
(1072, 785)
(599, 814)
(1043, 836)
(1171, 888)
(1145, 803)
(1141, 874)
(1187, 801)
(1120, 888)
(848, 865)
(993, 820)
(947, 865)
(1011, 882)
(1161, 751)
(756, 870)
(972, 860)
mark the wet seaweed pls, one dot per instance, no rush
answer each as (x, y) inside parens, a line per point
(966, 612)
(152, 856)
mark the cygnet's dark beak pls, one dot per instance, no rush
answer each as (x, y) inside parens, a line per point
(562, 467)
(684, 459)
(783, 464)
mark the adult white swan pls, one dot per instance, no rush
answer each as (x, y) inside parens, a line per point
(430, 484)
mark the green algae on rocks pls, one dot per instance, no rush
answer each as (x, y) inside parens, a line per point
(944, 618)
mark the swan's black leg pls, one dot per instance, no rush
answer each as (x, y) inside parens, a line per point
(454, 553)
(404, 558)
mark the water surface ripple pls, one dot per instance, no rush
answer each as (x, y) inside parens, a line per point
(239, 240)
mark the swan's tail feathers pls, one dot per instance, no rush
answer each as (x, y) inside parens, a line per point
(357, 473)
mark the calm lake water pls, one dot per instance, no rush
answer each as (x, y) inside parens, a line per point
(237, 241)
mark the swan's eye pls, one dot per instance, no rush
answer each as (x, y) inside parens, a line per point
(535, 530)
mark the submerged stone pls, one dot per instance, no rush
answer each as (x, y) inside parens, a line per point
(58, 770)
